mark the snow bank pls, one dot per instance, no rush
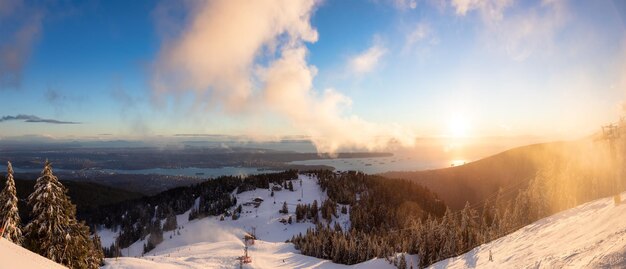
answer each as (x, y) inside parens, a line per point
(592, 235)
(14, 256)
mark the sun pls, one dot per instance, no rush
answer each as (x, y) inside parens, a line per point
(458, 126)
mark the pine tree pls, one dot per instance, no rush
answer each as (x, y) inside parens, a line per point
(314, 213)
(469, 227)
(402, 262)
(448, 233)
(48, 231)
(537, 197)
(97, 255)
(284, 210)
(171, 223)
(53, 231)
(9, 215)
(156, 236)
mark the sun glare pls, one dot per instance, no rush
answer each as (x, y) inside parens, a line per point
(458, 126)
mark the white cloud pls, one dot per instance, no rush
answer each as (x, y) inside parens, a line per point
(15, 47)
(405, 4)
(531, 32)
(419, 39)
(490, 10)
(519, 34)
(368, 60)
(216, 51)
(419, 33)
(250, 58)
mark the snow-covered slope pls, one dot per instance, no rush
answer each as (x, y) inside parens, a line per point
(592, 235)
(265, 219)
(224, 253)
(211, 243)
(14, 256)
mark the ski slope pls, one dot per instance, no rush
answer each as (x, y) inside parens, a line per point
(592, 235)
(265, 219)
(211, 243)
(14, 256)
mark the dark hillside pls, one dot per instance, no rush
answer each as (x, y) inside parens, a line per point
(85, 195)
(510, 170)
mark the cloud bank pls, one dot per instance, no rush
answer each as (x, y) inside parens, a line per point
(35, 119)
(250, 57)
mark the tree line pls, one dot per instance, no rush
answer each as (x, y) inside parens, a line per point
(391, 216)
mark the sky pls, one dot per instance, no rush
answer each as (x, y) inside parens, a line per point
(344, 73)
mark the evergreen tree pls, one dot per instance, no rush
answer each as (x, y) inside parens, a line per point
(469, 227)
(171, 223)
(156, 236)
(448, 233)
(284, 210)
(9, 215)
(537, 196)
(97, 255)
(521, 209)
(53, 231)
(314, 213)
(402, 262)
(48, 231)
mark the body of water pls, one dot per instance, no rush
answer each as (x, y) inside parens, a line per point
(381, 164)
(187, 171)
(372, 165)
(195, 171)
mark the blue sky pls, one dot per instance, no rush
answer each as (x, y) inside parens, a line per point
(417, 68)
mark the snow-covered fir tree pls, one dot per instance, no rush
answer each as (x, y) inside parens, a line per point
(97, 254)
(9, 215)
(402, 262)
(48, 231)
(54, 231)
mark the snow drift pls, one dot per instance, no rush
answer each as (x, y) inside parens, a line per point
(14, 256)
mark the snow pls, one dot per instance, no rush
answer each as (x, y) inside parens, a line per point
(14, 256)
(223, 254)
(211, 243)
(592, 235)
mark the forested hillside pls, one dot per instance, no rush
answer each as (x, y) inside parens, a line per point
(383, 224)
(136, 219)
(512, 170)
(86, 195)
